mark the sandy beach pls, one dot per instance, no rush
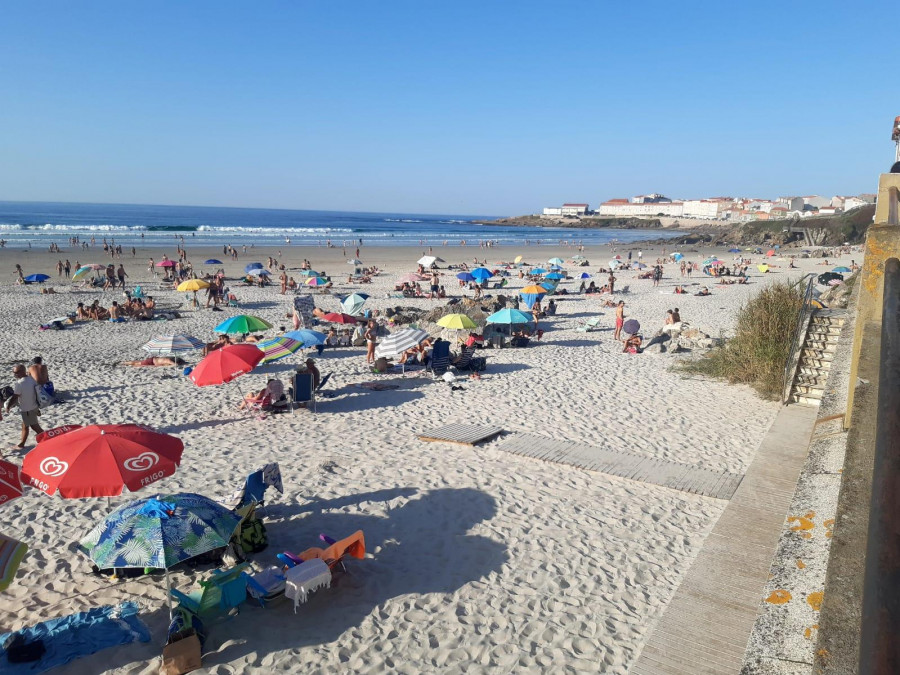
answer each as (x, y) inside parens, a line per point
(478, 560)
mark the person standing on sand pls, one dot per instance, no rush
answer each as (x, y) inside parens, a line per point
(620, 320)
(370, 342)
(59, 268)
(283, 280)
(612, 283)
(67, 268)
(25, 395)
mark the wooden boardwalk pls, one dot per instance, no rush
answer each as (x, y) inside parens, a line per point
(464, 434)
(705, 627)
(717, 484)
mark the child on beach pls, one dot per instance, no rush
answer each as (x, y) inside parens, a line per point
(620, 320)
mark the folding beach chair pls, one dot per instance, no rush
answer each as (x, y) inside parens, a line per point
(333, 556)
(303, 391)
(223, 591)
(440, 358)
(255, 485)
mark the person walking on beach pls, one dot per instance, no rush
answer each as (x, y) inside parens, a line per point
(59, 268)
(120, 273)
(67, 268)
(25, 395)
(620, 320)
(370, 342)
(657, 274)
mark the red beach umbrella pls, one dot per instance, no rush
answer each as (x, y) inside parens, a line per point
(770, 252)
(166, 263)
(10, 483)
(100, 459)
(223, 365)
(335, 317)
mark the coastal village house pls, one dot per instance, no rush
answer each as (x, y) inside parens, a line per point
(567, 210)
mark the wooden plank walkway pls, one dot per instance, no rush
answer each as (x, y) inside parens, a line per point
(705, 627)
(717, 484)
(464, 434)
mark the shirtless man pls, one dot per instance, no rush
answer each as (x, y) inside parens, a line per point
(38, 371)
(620, 319)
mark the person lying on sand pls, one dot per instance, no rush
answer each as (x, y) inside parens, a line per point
(218, 343)
(155, 361)
(703, 291)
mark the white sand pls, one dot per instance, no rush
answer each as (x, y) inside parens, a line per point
(481, 561)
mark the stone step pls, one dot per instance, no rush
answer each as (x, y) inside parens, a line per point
(810, 381)
(825, 331)
(811, 371)
(820, 345)
(827, 321)
(820, 354)
(813, 391)
(804, 400)
(816, 365)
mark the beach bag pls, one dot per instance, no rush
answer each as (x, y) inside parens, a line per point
(182, 655)
(252, 536)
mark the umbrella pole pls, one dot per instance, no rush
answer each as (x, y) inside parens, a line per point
(168, 595)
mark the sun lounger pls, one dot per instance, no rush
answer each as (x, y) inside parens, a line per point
(267, 586)
(589, 325)
(302, 579)
(353, 546)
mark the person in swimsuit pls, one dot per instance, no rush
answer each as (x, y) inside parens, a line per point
(154, 361)
(620, 320)
(370, 342)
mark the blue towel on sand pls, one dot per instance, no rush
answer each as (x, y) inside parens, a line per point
(71, 637)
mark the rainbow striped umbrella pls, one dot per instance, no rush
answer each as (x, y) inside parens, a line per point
(11, 553)
(316, 281)
(277, 348)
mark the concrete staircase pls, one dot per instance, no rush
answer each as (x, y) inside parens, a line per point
(816, 355)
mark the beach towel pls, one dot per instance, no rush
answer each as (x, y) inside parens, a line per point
(71, 637)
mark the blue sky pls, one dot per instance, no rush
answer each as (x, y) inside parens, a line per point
(463, 107)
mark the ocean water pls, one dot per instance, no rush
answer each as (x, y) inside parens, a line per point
(40, 223)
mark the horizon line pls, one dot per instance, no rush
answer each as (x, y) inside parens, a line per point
(250, 208)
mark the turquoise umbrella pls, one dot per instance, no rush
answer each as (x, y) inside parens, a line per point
(481, 273)
(509, 316)
(538, 270)
(554, 275)
(555, 261)
(309, 273)
(353, 304)
(841, 270)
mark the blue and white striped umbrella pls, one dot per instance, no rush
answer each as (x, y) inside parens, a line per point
(165, 345)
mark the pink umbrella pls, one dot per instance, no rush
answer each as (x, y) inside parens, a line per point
(166, 263)
(96, 266)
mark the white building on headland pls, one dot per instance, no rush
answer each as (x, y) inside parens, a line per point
(566, 210)
(574, 209)
(623, 208)
(703, 208)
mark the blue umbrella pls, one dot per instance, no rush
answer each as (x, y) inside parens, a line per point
(538, 270)
(309, 338)
(840, 270)
(530, 298)
(734, 250)
(640, 266)
(554, 275)
(677, 256)
(258, 272)
(465, 276)
(160, 532)
(555, 268)
(212, 261)
(482, 273)
(585, 275)
(550, 286)
(509, 316)
(309, 273)
(253, 266)
(41, 278)
(632, 326)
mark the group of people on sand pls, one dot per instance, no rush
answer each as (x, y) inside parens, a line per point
(140, 309)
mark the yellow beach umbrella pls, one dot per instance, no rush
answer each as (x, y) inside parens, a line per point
(518, 259)
(193, 285)
(533, 289)
(763, 268)
(456, 321)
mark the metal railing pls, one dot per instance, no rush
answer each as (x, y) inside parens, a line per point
(879, 651)
(806, 309)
